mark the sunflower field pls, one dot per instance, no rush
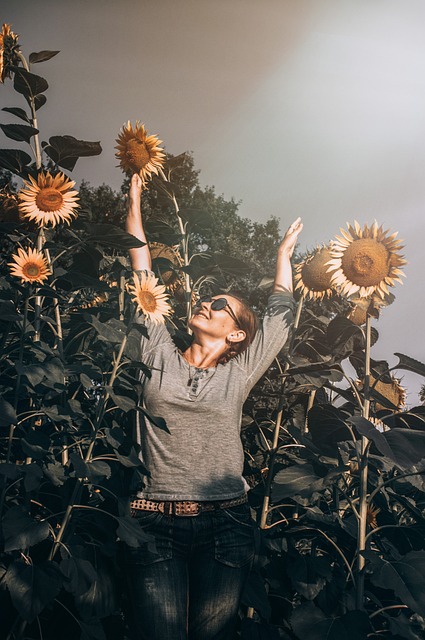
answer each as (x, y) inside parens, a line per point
(334, 459)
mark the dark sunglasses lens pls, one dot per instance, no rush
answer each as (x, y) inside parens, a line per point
(218, 304)
(202, 300)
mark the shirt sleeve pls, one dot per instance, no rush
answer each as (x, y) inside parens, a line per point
(157, 333)
(270, 338)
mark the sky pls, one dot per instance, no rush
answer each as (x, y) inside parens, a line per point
(311, 108)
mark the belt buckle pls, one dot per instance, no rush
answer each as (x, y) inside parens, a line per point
(187, 508)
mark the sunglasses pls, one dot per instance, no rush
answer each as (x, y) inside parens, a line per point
(217, 304)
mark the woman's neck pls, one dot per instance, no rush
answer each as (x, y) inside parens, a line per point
(203, 356)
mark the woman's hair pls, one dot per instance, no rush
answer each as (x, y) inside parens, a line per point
(248, 322)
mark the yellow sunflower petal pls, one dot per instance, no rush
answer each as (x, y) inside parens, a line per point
(367, 263)
(30, 266)
(150, 297)
(138, 152)
(49, 200)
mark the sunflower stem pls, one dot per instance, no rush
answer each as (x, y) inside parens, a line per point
(17, 389)
(274, 447)
(56, 309)
(33, 117)
(364, 467)
(37, 302)
(273, 450)
(185, 251)
(80, 481)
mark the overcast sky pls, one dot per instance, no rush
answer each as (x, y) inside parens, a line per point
(293, 107)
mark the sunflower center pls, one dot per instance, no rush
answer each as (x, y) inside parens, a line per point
(31, 270)
(314, 272)
(49, 199)
(147, 301)
(137, 153)
(365, 262)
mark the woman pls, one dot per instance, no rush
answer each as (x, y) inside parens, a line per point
(194, 501)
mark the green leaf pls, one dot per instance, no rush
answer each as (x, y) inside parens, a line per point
(255, 595)
(14, 160)
(130, 532)
(408, 446)
(310, 623)
(20, 531)
(18, 112)
(99, 600)
(412, 419)
(39, 101)
(36, 444)
(55, 472)
(301, 483)
(259, 630)
(92, 630)
(123, 402)
(10, 470)
(105, 330)
(28, 84)
(33, 476)
(159, 229)
(8, 311)
(404, 576)
(32, 586)
(304, 576)
(197, 219)
(19, 132)
(344, 336)
(368, 429)
(79, 574)
(80, 466)
(293, 481)
(409, 364)
(41, 56)
(51, 373)
(65, 150)
(401, 626)
(111, 236)
(157, 421)
(230, 265)
(327, 425)
(98, 470)
(7, 413)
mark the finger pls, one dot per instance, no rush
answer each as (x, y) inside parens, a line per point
(296, 225)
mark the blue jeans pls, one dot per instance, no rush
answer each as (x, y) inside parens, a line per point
(190, 587)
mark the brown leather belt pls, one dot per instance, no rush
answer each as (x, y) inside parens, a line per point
(184, 507)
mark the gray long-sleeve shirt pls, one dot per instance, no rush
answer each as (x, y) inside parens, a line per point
(201, 458)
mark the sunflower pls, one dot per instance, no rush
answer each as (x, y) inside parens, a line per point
(30, 266)
(150, 297)
(160, 251)
(9, 207)
(311, 275)
(49, 200)
(371, 305)
(371, 516)
(391, 391)
(9, 51)
(366, 261)
(138, 152)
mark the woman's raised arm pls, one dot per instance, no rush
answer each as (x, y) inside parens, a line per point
(140, 258)
(283, 275)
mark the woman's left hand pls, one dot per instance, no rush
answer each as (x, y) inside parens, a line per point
(290, 238)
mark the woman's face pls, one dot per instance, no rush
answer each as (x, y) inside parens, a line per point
(215, 323)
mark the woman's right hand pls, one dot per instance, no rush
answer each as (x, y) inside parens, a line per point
(135, 190)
